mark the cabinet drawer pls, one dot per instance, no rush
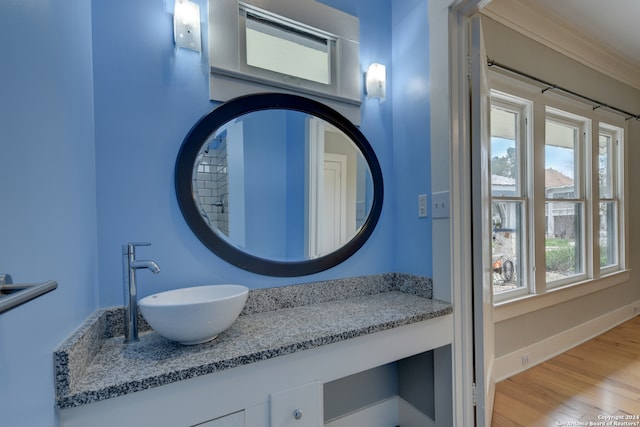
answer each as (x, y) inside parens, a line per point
(297, 407)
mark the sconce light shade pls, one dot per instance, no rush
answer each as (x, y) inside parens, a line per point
(186, 25)
(376, 81)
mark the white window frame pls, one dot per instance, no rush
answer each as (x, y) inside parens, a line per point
(537, 293)
(232, 76)
(523, 108)
(583, 191)
(617, 137)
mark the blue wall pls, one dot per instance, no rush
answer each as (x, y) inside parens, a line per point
(408, 148)
(274, 184)
(95, 102)
(147, 96)
(296, 131)
(48, 229)
(411, 142)
(265, 155)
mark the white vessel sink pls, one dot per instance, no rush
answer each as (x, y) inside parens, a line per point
(194, 315)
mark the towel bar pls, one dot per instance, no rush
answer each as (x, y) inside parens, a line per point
(12, 295)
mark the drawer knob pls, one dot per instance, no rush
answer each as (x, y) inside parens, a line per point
(297, 414)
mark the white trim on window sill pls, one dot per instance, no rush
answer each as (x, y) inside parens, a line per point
(505, 310)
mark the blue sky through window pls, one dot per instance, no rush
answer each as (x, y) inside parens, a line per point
(558, 158)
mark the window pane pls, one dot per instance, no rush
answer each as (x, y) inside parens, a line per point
(276, 47)
(560, 160)
(608, 233)
(505, 169)
(507, 246)
(563, 243)
(604, 165)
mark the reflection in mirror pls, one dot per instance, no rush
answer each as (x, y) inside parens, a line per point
(287, 49)
(283, 185)
(279, 184)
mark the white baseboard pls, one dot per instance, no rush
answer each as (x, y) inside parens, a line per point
(391, 412)
(511, 364)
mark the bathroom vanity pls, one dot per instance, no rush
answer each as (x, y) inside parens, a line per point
(271, 368)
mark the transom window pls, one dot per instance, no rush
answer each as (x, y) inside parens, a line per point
(556, 193)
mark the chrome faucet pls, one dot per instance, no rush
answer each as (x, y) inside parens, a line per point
(129, 267)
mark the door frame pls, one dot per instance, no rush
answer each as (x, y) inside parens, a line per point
(450, 138)
(340, 160)
(314, 166)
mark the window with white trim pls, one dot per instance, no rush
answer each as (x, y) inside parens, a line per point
(566, 171)
(609, 204)
(510, 190)
(556, 193)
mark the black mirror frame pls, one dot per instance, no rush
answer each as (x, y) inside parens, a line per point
(232, 109)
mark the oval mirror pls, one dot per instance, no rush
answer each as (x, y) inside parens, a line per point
(279, 184)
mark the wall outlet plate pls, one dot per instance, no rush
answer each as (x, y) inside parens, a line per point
(422, 206)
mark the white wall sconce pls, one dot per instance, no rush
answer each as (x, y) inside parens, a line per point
(376, 81)
(186, 25)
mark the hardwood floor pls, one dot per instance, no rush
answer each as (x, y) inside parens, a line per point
(596, 383)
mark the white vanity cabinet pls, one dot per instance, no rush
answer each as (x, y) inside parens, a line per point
(267, 393)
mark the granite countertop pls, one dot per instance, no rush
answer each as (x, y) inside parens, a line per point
(94, 364)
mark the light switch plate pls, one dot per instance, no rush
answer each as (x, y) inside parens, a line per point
(361, 211)
(440, 205)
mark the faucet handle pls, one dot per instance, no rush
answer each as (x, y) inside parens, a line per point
(130, 248)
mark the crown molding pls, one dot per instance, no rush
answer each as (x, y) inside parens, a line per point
(558, 35)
